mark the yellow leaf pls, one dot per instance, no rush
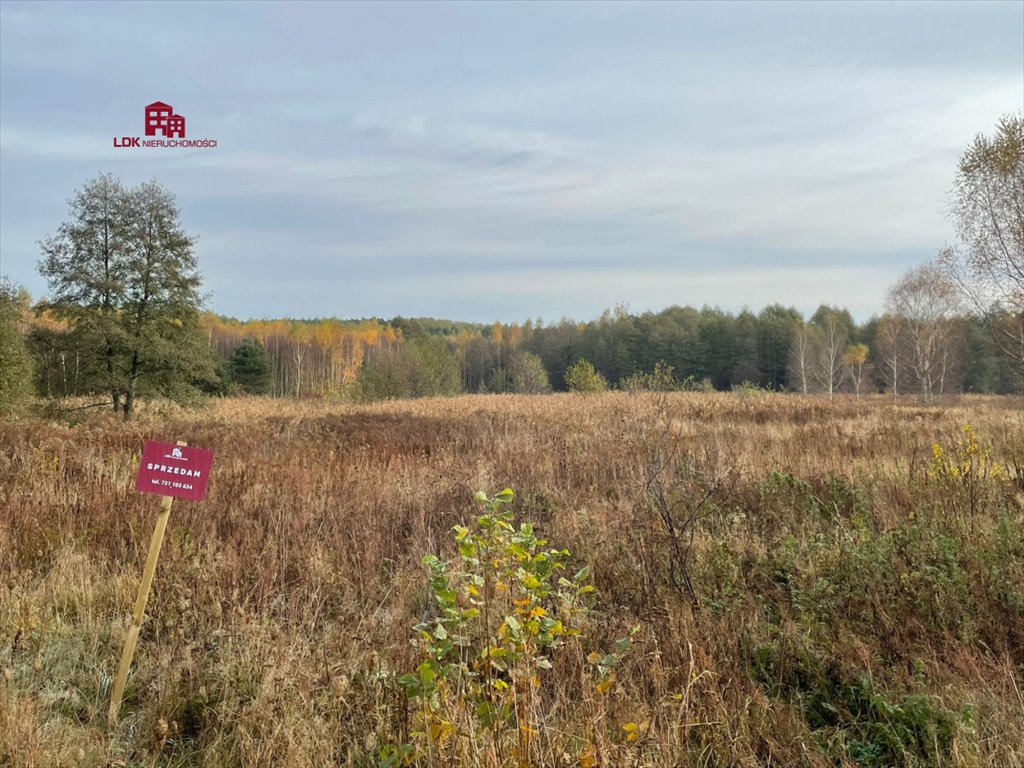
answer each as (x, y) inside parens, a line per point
(594, 657)
(440, 729)
(634, 731)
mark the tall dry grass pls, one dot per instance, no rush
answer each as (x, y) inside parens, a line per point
(855, 607)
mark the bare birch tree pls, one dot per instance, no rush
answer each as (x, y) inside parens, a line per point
(828, 344)
(889, 350)
(926, 303)
(800, 357)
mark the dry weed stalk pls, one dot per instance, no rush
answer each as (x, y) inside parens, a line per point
(679, 486)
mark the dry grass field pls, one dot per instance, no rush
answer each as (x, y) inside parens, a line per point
(861, 592)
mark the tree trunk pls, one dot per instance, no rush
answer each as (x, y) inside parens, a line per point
(129, 395)
(115, 395)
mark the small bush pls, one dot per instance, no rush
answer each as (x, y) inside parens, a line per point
(661, 379)
(582, 377)
(499, 618)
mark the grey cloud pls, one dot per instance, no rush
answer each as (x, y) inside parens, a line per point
(387, 159)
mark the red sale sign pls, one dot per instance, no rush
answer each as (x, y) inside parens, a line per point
(174, 470)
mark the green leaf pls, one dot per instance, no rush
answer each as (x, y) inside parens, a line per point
(517, 551)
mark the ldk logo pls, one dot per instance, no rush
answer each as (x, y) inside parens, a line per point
(160, 118)
(161, 121)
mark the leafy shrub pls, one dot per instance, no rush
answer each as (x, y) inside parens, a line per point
(748, 389)
(500, 615)
(582, 377)
(528, 374)
(693, 384)
(661, 379)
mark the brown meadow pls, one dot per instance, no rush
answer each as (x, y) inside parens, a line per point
(861, 596)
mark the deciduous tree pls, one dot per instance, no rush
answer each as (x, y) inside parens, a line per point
(854, 359)
(528, 374)
(889, 352)
(86, 263)
(988, 211)
(800, 357)
(925, 302)
(831, 330)
(123, 274)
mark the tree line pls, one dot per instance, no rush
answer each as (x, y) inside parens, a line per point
(920, 346)
(124, 319)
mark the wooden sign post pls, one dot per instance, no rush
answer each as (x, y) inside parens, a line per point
(169, 470)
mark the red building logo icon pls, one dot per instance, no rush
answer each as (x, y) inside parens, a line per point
(167, 127)
(160, 119)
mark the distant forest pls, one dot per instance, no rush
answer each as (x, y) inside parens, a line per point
(677, 348)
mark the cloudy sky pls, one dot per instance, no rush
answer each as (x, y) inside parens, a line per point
(485, 161)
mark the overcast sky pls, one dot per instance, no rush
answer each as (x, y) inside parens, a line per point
(483, 161)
